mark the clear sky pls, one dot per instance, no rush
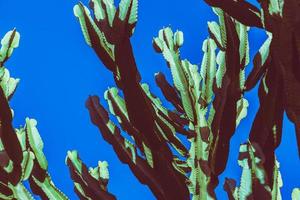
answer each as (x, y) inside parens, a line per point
(58, 71)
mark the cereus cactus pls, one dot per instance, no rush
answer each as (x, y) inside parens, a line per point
(254, 181)
(89, 184)
(21, 149)
(177, 151)
(208, 101)
(277, 66)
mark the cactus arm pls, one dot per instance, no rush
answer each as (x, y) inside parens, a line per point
(118, 108)
(94, 37)
(186, 79)
(285, 61)
(36, 143)
(226, 99)
(9, 42)
(176, 120)
(150, 173)
(167, 44)
(40, 180)
(20, 150)
(7, 89)
(215, 33)
(138, 166)
(200, 177)
(243, 11)
(166, 129)
(9, 138)
(254, 181)
(139, 109)
(11, 148)
(169, 91)
(129, 76)
(46, 189)
(87, 186)
(261, 62)
(228, 107)
(8, 84)
(267, 126)
(208, 70)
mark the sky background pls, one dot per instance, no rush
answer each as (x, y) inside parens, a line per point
(58, 71)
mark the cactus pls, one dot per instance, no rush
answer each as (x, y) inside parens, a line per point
(276, 65)
(89, 184)
(21, 149)
(208, 103)
(178, 152)
(277, 61)
(201, 98)
(254, 181)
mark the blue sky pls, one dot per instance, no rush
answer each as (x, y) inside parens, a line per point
(58, 71)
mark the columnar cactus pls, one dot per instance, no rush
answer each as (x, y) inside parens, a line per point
(208, 102)
(278, 63)
(207, 105)
(21, 149)
(277, 66)
(89, 184)
(254, 181)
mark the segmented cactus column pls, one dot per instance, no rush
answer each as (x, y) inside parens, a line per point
(194, 102)
(109, 34)
(254, 182)
(21, 150)
(276, 66)
(208, 102)
(279, 61)
(89, 183)
(212, 98)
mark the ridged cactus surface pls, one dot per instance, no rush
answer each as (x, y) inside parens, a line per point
(180, 150)
(21, 149)
(208, 100)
